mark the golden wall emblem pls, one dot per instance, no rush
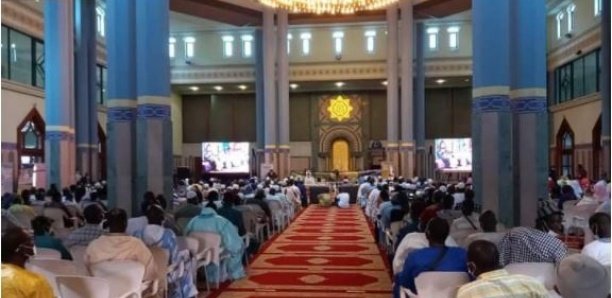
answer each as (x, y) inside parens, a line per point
(340, 108)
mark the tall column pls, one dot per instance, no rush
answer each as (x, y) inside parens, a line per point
(270, 116)
(85, 88)
(59, 92)
(153, 123)
(529, 106)
(491, 112)
(259, 101)
(283, 93)
(419, 102)
(605, 86)
(407, 109)
(392, 89)
(121, 104)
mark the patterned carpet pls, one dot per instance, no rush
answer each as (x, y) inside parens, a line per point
(325, 252)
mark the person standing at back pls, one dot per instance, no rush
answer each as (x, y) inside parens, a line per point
(492, 280)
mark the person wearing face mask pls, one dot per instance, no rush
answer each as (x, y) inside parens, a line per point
(154, 234)
(599, 249)
(492, 280)
(17, 248)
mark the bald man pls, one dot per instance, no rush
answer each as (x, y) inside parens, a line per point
(492, 280)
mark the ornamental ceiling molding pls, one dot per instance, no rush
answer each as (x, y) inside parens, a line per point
(447, 67)
(31, 22)
(585, 42)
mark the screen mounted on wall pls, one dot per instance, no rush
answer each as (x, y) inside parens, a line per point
(225, 157)
(453, 155)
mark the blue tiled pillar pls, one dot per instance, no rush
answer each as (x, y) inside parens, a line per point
(59, 92)
(491, 109)
(529, 106)
(153, 124)
(86, 115)
(121, 103)
(282, 24)
(605, 85)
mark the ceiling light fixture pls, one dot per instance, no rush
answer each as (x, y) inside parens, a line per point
(384, 83)
(327, 6)
(194, 88)
(242, 87)
(218, 88)
(293, 86)
(440, 81)
(339, 84)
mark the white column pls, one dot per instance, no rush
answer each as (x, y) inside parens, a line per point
(407, 109)
(270, 115)
(392, 88)
(283, 92)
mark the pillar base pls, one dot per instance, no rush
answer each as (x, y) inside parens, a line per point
(284, 166)
(407, 160)
(60, 158)
(393, 158)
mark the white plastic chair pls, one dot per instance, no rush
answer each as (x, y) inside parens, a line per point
(47, 253)
(125, 276)
(210, 241)
(82, 287)
(162, 260)
(78, 257)
(50, 268)
(440, 284)
(278, 216)
(543, 272)
(202, 257)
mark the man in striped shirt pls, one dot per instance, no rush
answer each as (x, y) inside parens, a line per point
(492, 280)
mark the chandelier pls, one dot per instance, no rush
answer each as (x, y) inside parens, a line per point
(327, 6)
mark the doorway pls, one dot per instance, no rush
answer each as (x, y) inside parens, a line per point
(340, 155)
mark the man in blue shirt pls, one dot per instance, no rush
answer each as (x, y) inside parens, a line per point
(436, 257)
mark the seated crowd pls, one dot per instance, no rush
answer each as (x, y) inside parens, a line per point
(425, 226)
(240, 217)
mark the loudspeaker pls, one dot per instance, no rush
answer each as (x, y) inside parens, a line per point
(183, 173)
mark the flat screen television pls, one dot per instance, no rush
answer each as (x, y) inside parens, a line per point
(453, 155)
(226, 157)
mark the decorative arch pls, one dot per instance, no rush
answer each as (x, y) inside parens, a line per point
(597, 150)
(565, 149)
(328, 138)
(31, 139)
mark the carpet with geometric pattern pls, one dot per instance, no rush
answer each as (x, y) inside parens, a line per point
(325, 252)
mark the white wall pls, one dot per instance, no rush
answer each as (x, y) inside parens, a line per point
(585, 19)
(176, 106)
(17, 101)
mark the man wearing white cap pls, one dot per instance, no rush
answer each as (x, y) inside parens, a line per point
(459, 194)
(582, 276)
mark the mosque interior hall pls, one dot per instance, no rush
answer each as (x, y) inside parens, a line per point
(305, 148)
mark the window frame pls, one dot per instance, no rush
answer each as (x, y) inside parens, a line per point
(306, 46)
(564, 130)
(433, 32)
(228, 46)
(370, 38)
(100, 21)
(189, 43)
(33, 42)
(247, 42)
(338, 37)
(558, 22)
(571, 17)
(39, 123)
(453, 31)
(172, 47)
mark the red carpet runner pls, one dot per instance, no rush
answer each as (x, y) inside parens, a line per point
(325, 252)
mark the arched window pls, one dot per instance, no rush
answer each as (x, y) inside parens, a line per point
(565, 149)
(597, 152)
(31, 140)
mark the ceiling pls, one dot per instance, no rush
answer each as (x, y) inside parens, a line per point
(325, 86)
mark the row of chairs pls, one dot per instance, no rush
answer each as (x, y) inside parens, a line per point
(446, 284)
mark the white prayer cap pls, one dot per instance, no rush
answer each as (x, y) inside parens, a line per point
(260, 186)
(206, 186)
(235, 186)
(191, 194)
(430, 181)
(415, 179)
(442, 188)
(461, 185)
